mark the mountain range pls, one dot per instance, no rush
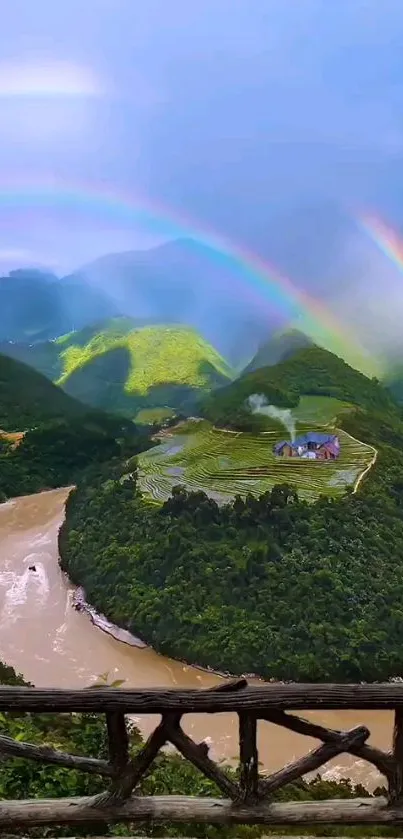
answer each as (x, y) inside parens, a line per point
(173, 309)
(121, 366)
(179, 282)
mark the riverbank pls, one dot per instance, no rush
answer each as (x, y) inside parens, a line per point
(80, 603)
(101, 622)
(53, 644)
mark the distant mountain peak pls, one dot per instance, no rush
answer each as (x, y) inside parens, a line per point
(281, 346)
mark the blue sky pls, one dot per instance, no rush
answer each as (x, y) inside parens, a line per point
(269, 121)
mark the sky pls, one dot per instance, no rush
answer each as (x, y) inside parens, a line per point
(272, 122)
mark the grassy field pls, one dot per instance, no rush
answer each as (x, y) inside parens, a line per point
(321, 410)
(149, 415)
(224, 463)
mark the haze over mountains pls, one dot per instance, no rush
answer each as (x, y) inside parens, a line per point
(179, 282)
(196, 309)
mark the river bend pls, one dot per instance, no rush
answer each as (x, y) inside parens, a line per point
(53, 645)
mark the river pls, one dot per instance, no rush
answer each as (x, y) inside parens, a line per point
(53, 645)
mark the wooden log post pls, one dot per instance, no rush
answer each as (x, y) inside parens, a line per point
(197, 753)
(131, 772)
(383, 761)
(314, 760)
(118, 741)
(248, 758)
(396, 778)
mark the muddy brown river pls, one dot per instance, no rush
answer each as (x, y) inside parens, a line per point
(52, 644)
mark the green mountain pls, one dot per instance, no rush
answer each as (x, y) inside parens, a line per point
(273, 585)
(62, 436)
(280, 347)
(312, 371)
(393, 381)
(121, 367)
(28, 399)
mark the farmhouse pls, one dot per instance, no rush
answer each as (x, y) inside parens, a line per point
(314, 445)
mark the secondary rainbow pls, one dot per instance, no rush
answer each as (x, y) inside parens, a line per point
(387, 239)
(250, 275)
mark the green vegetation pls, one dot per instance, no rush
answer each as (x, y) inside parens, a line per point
(119, 367)
(274, 585)
(312, 372)
(158, 355)
(63, 437)
(148, 416)
(57, 454)
(224, 464)
(27, 398)
(280, 347)
(320, 410)
(393, 381)
(85, 734)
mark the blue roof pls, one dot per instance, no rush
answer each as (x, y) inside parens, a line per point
(279, 446)
(317, 437)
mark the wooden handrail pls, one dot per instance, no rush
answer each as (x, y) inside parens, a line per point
(258, 699)
(249, 801)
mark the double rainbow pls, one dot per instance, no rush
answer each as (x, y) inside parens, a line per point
(248, 274)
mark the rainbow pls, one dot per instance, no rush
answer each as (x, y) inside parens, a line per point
(387, 240)
(250, 275)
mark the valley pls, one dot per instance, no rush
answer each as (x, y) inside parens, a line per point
(125, 367)
(186, 529)
(64, 642)
(201, 420)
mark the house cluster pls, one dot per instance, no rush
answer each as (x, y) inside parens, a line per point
(313, 446)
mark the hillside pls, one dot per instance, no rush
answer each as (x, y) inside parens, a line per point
(62, 437)
(28, 399)
(280, 347)
(187, 282)
(119, 366)
(271, 585)
(393, 381)
(224, 465)
(312, 371)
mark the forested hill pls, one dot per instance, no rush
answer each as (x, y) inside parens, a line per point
(63, 437)
(274, 585)
(27, 398)
(279, 347)
(310, 371)
(123, 365)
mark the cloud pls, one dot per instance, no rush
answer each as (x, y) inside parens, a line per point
(11, 258)
(48, 78)
(266, 121)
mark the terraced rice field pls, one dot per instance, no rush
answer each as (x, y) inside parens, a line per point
(225, 463)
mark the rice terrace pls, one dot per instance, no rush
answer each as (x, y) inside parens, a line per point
(224, 463)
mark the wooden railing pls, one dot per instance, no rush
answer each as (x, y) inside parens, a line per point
(250, 800)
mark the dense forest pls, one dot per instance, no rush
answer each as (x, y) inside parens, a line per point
(58, 453)
(27, 398)
(276, 586)
(62, 437)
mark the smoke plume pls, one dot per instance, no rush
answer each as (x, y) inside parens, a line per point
(259, 405)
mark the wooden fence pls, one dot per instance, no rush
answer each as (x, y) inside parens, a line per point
(246, 802)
